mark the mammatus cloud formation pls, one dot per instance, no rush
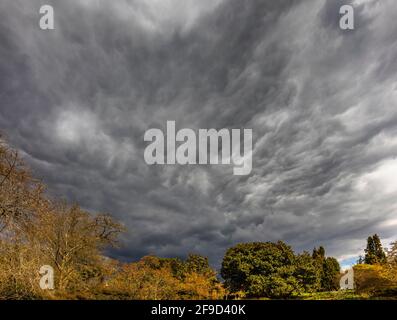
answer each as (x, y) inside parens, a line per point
(321, 102)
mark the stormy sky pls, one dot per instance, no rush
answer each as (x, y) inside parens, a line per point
(77, 100)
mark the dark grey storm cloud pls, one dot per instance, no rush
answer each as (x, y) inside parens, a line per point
(321, 102)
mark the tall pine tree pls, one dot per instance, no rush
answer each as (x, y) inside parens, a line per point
(374, 253)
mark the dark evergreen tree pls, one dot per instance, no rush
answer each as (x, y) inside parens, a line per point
(374, 253)
(328, 269)
(370, 257)
(379, 251)
(331, 270)
(307, 272)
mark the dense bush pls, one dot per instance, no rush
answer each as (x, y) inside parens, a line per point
(373, 279)
(273, 270)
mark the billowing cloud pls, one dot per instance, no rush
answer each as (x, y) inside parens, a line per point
(321, 102)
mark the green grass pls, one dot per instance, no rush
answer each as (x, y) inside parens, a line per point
(329, 295)
(333, 295)
(344, 295)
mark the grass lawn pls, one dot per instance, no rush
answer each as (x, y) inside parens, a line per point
(333, 295)
(342, 295)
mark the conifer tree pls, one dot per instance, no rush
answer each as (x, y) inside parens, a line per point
(374, 253)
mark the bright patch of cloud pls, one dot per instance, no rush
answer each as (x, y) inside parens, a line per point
(380, 181)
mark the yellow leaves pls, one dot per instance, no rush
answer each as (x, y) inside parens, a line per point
(370, 278)
(19, 275)
(35, 230)
(197, 286)
(153, 278)
(141, 280)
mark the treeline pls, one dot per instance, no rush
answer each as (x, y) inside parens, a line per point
(36, 230)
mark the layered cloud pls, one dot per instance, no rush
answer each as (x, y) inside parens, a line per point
(321, 102)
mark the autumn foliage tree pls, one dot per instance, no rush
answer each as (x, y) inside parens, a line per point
(161, 278)
(376, 273)
(36, 231)
(20, 197)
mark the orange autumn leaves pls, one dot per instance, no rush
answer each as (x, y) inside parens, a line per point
(160, 278)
